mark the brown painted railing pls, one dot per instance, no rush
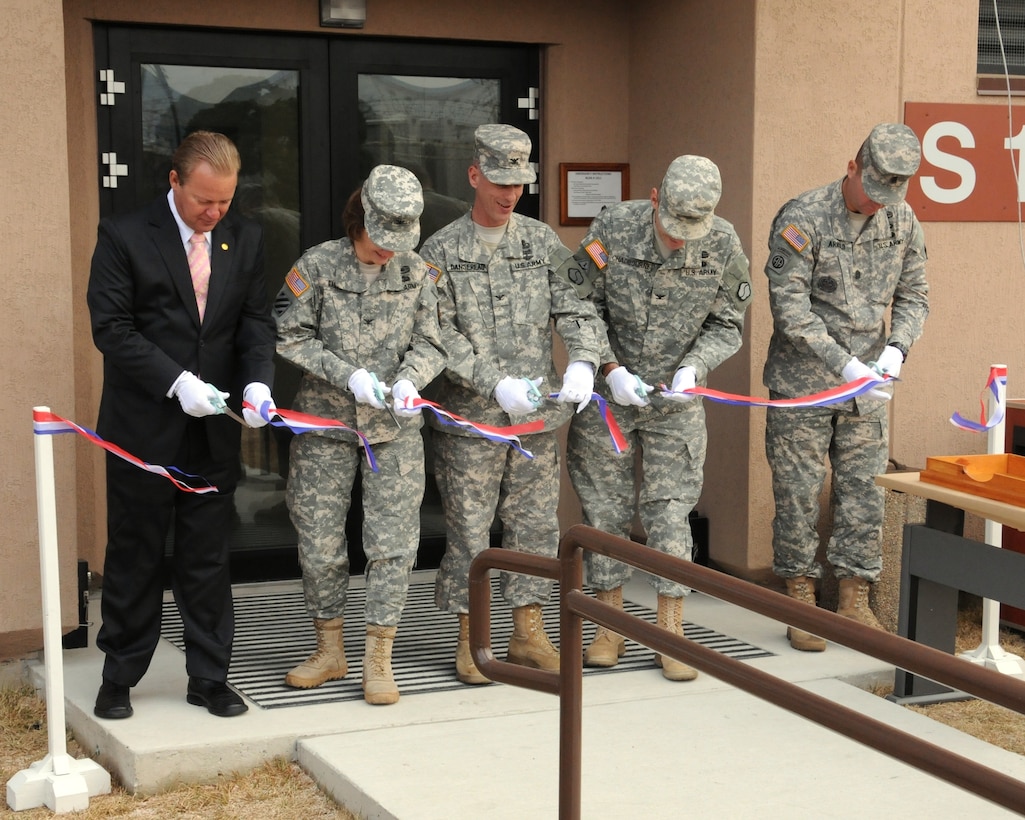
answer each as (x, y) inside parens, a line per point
(575, 606)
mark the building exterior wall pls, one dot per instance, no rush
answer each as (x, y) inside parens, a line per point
(780, 96)
(35, 334)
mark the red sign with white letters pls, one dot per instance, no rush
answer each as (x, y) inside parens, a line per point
(972, 162)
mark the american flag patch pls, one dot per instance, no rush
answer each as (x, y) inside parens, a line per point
(296, 283)
(797, 240)
(596, 250)
(433, 272)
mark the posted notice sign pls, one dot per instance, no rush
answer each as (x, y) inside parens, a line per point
(972, 162)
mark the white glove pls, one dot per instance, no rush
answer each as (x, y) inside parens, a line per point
(627, 388)
(198, 398)
(686, 378)
(403, 391)
(890, 360)
(518, 396)
(368, 389)
(856, 369)
(577, 384)
(258, 395)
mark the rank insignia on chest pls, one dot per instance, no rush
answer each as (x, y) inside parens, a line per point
(797, 240)
(296, 283)
(596, 250)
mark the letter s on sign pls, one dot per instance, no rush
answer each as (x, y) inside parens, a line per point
(948, 162)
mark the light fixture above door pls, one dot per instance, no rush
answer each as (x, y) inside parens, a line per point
(343, 13)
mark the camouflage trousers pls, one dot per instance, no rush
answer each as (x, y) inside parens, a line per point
(320, 477)
(659, 477)
(478, 478)
(797, 443)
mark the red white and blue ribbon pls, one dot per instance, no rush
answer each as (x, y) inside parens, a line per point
(48, 424)
(995, 385)
(305, 423)
(502, 435)
(835, 395)
(619, 442)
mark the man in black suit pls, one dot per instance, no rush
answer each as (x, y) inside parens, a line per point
(175, 354)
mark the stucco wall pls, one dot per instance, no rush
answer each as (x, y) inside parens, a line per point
(35, 332)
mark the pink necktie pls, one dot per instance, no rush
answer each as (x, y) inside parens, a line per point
(199, 264)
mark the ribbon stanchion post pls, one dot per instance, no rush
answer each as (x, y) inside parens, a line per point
(59, 781)
(989, 653)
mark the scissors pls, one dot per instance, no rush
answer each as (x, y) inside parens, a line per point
(533, 394)
(221, 407)
(379, 394)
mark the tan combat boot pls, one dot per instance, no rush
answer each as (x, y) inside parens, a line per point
(327, 662)
(466, 669)
(529, 644)
(803, 589)
(853, 602)
(607, 647)
(379, 686)
(670, 617)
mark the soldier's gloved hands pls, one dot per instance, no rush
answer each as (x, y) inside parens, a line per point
(196, 397)
(403, 391)
(258, 395)
(627, 388)
(856, 369)
(890, 360)
(577, 384)
(367, 389)
(518, 396)
(685, 378)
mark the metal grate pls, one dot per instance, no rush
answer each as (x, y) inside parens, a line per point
(1011, 32)
(273, 634)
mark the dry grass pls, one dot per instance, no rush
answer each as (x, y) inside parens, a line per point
(278, 790)
(986, 721)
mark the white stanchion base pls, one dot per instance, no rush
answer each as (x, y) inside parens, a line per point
(40, 784)
(993, 656)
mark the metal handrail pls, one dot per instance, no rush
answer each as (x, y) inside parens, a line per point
(575, 606)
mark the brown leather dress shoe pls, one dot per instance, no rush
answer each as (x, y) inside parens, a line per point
(216, 697)
(113, 701)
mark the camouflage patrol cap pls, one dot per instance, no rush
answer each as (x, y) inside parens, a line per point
(393, 201)
(889, 158)
(686, 201)
(503, 154)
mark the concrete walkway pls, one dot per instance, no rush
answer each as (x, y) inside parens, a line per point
(652, 748)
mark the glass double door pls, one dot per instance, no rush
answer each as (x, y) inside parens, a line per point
(311, 115)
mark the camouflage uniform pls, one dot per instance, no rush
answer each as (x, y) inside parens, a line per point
(496, 312)
(660, 315)
(830, 287)
(331, 322)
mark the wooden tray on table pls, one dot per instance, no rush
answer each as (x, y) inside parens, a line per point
(1000, 477)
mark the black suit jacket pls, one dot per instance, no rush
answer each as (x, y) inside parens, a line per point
(146, 324)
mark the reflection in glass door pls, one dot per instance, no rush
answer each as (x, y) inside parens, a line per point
(426, 124)
(258, 109)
